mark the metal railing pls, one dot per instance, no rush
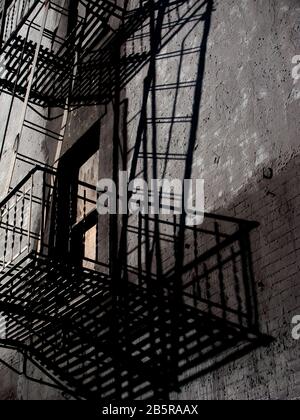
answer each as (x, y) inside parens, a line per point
(184, 315)
(212, 273)
(28, 215)
(88, 52)
(215, 271)
(14, 14)
(18, 233)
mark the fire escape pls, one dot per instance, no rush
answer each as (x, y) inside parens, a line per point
(150, 337)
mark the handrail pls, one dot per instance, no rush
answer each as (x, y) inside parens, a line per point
(35, 169)
(21, 183)
(26, 209)
(18, 187)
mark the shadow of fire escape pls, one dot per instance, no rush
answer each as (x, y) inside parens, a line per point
(175, 301)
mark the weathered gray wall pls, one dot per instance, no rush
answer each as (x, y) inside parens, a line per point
(248, 122)
(41, 149)
(250, 119)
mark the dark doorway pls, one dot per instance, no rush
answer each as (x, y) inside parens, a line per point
(74, 226)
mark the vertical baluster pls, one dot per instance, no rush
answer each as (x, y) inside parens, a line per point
(43, 213)
(6, 235)
(71, 218)
(15, 207)
(22, 217)
(30, 212)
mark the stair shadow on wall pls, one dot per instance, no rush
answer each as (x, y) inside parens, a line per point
(198, 284)
(178, 301)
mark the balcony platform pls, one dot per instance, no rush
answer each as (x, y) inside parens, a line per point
(88, 65)
(96, 346)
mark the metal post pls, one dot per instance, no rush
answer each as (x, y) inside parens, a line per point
(30, 213)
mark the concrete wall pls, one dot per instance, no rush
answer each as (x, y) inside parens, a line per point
(40, 150)
(218, 98)
(248, 124)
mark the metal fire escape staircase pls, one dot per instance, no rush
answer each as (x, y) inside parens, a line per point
(90, 341)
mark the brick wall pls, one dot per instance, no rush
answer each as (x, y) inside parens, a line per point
(272, 372)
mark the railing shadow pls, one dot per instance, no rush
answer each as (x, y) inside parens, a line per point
(175, 301)
(140, 342)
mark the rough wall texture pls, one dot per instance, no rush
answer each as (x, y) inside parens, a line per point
(253, 125)
(231, 67)
(272, 372)
(40, 150)
(248, 124)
